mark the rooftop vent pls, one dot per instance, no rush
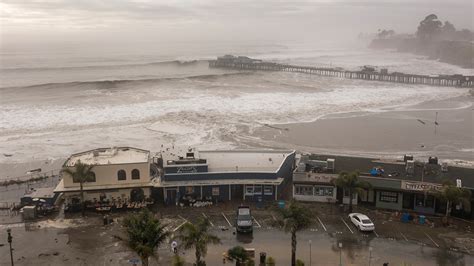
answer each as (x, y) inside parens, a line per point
(410, 167)
(331, 164)
(444, 167)
(433, 160)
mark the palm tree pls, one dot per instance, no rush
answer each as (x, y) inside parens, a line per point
(239, 255)
(453, 194)
(145, 234)
(350, 182)
(81, 173)
(295, 218)
(197, 236)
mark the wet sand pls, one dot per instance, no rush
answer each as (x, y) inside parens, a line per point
(389, 133)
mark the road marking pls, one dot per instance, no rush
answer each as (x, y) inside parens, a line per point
(467, 250)
(406, 239)
(226, 219)
(209, 219)
(179, 226)
(377, 235)
(259, 226)
(436, 244)
(324, 227)
(347, 225)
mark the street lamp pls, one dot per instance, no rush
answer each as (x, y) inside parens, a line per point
(340, 254)
(310, 252)
(10, 238)
(370, 254)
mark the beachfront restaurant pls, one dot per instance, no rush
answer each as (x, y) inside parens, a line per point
(229, 175)
(121, 179)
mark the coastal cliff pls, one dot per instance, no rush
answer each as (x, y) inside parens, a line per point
(434, 39)
(460, 53)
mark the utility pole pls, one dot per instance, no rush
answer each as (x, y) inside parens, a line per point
(10, 238)
(310, 264)
(340, 254)
(370, 255)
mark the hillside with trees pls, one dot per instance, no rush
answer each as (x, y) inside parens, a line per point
(433, 38)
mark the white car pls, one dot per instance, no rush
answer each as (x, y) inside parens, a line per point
(362, 222)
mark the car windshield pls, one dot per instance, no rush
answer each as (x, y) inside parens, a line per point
(244, 211)
(366, 221)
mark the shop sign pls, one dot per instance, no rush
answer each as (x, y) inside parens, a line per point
(419, 186)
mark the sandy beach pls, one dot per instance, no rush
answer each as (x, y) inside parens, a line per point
(388, 133)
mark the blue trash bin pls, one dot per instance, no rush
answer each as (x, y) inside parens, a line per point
(421, 219)
(405, 217)
(281, 204)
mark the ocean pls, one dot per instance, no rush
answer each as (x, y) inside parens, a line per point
(59, 101)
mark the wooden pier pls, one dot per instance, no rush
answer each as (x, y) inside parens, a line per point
(245, 63)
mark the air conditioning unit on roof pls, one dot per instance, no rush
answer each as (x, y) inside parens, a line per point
(410, 167)
(331, 164)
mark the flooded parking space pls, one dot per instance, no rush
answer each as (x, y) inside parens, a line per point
(334, 225)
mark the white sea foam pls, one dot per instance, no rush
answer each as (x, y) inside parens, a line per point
(55, 120)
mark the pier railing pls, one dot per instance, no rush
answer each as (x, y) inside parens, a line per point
(397, 77)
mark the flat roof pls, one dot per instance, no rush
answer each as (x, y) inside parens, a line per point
(244, 160)
(114, 155)
(395, 169)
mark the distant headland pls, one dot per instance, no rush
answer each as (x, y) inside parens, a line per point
(433, 38)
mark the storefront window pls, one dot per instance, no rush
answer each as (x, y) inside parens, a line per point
(388, 196)
(303, 190)
(215, 191)
(189, 190)
(249, 190)
(268, 190)
(323, 191)
(426, 201)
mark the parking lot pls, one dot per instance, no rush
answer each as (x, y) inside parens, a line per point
(333, 226)
(392, 241)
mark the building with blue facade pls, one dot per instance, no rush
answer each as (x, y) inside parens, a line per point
(241, 175)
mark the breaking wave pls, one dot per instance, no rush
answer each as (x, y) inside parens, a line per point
(105, 84)
(177, 63)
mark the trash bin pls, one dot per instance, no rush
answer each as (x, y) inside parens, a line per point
(263, 258)
(281, 204)
(405, 217)
(421, 219)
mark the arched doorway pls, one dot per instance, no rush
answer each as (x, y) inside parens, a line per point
(137, 194)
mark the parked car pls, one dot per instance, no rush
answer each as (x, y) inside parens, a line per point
(244, 223)
(362, 222)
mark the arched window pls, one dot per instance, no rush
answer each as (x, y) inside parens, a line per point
(135, 174)
(121, 175)
(92, 177)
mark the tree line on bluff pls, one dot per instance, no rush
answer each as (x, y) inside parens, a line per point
(433, 38)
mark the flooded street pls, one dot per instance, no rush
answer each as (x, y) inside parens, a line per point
(77, 241)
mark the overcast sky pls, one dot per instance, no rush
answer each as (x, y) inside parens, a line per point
(210, 20)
